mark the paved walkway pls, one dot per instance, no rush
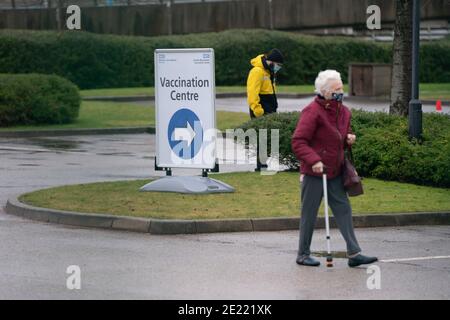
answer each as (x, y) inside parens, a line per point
(240, 105)
(120, 265)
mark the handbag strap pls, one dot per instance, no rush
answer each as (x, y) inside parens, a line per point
(350, 154)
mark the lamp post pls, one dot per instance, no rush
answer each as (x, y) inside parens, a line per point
(415, 105)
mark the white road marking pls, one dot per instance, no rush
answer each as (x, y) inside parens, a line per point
(416, 259)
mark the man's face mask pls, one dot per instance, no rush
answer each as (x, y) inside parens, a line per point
(339, 97)
(276, 67)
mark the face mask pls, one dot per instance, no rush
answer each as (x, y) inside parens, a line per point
(339, 97)
(276, 68)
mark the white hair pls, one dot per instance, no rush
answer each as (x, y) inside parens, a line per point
(324, 79)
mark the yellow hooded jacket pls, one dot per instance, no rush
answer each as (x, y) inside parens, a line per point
(259, 87)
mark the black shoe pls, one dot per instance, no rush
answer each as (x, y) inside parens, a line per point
(360, 259)
(308, 261)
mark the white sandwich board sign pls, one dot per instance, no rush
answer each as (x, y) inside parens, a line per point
(185, 108)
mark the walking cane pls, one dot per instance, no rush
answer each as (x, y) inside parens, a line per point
(327, 222)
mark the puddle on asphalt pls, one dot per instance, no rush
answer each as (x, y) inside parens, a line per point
(115, 154)
(110, 140)
(26, 159)
(57, 144)
(323, 254)
(334, 254)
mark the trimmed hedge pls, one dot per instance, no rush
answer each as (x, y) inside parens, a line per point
(37, 99)
(108, 61)
(383, 149)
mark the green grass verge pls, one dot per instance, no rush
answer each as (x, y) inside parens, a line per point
(101, 115)
(428, 91)
(255, 196)
(435, 91)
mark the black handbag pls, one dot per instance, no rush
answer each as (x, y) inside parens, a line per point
(352, 182)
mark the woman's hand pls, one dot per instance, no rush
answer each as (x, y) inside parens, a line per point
(318, 167)
(351, 138)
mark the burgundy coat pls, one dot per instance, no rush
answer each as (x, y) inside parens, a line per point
(321, 135)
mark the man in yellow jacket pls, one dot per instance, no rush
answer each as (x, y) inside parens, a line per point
(261, 94)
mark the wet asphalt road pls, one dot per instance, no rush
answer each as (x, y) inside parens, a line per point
(36, 163)
(297, 104)
(119, 265)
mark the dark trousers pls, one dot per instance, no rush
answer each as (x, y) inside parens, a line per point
(269, 104)
(312, 194)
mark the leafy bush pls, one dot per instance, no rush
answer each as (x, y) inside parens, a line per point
(383, 149)
(110, 61)
(37, 99)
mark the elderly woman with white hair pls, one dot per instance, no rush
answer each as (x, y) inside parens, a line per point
(322, 134)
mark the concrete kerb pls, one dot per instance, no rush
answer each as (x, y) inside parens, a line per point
(75, 132)
(171, 227)
(81, 132)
